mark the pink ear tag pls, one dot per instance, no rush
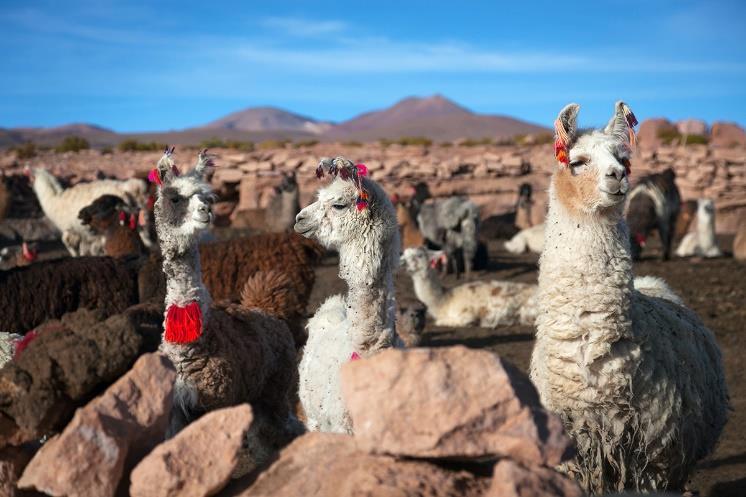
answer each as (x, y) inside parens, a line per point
(362, 169)
(155, 177)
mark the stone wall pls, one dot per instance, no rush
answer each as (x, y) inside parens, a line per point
(491, 175)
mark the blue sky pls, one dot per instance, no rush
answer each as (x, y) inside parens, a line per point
(139, 66)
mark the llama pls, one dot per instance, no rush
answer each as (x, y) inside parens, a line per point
(224, 355)
(614, 358)
(653, 204)
(410, 321)
(701, 242)
(527, 240)
(508, 224)
(112, 220)
(408, 231)
(481, 303)
(354, 216)
(62, 206)
(279, 215)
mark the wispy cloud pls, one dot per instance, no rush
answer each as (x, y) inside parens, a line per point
(296, 26)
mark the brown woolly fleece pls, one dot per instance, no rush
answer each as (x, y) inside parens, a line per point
(69, 362)
(410, 234)
(46, 290)
(122, 241)
(4, 199)
(272, 292)
(687, 214)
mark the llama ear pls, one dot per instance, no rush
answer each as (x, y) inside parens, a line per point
(203, 162)
(165, 170)
(566, 125)
(622, 123)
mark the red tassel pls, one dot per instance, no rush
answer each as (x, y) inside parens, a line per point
(122, 217)
(24, 342)
(183, 324)
(155, 177)
(560, 151)
(133, 222)
(355, 356)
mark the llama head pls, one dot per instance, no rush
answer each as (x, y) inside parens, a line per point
(183, 208)
(593, 177)
(289, 183)
(705, 209)
(417, 260)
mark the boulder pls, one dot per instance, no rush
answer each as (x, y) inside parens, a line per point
(650, 131)
(692, 127)
(510, 479)
(330, 465)
(12, 462)
(453, 403)
(178, 467)
(727, 134)
(107, 436)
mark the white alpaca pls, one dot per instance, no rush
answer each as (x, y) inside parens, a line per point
(479, 303)
(702, 241)
(62, 206)
(527, 240)
(636, 377)
(362, 322)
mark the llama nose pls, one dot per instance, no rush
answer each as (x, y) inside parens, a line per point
(203, 208)
(300, 217)
(616, 173)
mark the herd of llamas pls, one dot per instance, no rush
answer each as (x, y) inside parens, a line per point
(612, 354)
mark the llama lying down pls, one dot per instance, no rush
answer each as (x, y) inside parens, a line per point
(354, 216)
(480, 303)
(636, 377)
(224, 355)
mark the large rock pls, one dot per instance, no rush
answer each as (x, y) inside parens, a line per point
(727, 134)
(107, 436)
(692, 127)
(12, 462)
(179, 466)
(510, 479)
(649, 134)
(454, 403)
(329, 465)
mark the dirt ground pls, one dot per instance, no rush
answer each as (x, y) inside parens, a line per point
(715, 288)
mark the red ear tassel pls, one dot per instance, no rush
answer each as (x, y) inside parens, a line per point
(155, 177)
(24, 342)
(183, 324)
(133, 222)
(122, 217)
(560, 152)
(355, 356)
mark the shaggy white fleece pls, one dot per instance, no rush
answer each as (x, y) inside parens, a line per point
(527, 240)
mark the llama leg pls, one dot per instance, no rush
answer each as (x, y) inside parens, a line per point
(665, 233)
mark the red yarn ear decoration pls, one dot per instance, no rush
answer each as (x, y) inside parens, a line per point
(640, 239)
(155, 177)
(133, 222)
(24, 342)
(183, 324)
(355, 356)
(122, 217)
(362, 169)
(560, 152)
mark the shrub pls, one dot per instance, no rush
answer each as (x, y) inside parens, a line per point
(445, 144)
(352, 143)
(473, 142)
(305, 143)
(132, 145)
(72, 144)
(239, 145)
(668, 136)
(26, 150)
(213, 142)
(107, 150)
(268, 144)
(407, 140)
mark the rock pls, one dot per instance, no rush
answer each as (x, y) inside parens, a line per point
(108, 435)
(692, 127)
(727, 134)
(649, 134)
(329, 465)
(454, 403)
(12, 462)
(510, 479)
(225, 175)
(739, 243)
(178, 467)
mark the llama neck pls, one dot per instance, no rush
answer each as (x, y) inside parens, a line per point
(523, 215)
(585, 282)
(371, 306)
(184, 278)
(289, 207)
(428, 288)
(46, 188)
(706, 230)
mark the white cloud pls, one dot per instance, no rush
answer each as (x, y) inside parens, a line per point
(295, 26)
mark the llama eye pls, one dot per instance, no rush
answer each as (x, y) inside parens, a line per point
(577, 163)
(339, 207)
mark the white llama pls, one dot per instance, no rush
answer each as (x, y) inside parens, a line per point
(702, 241)
(479, 303)
(527, 240)
(354, 216)
(636, 377)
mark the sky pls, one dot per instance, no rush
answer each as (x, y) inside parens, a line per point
(159, 65)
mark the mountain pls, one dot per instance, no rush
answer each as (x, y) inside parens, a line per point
(96, 135)
(435, 117)
(269, 119)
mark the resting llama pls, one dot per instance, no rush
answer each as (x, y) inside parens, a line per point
(62, 206)
(480, 303)
(527, 240)
(354, 216)
(224, 355)
(701, 242)
(636, 377)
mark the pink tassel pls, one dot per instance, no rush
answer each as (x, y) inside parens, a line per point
(183, 324)
(362, 169)
(155, 177)
(24, 342)
(355, 356)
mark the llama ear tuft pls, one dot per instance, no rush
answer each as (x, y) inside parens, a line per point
(566, 125)
(622, 123)
(203, 162)
(165, 170)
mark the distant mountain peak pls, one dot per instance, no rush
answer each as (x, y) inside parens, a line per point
(268, 118)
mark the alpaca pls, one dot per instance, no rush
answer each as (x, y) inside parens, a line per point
(279, 215)
(481, 303)
(653, 204)
(62, 206)
(452, 224)
(701, 242)
(354, 216)
(224, 355)
(527, 240)
(112, 220)
(24, 255)
(409, 232)
(523, 207)
(410, 322)
(508, 224)
(614, 358)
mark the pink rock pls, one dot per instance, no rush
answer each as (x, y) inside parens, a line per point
(198, 461)
(107, 436)
(510, 479)
(329, 465)
(454, 403)
(727, 134)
